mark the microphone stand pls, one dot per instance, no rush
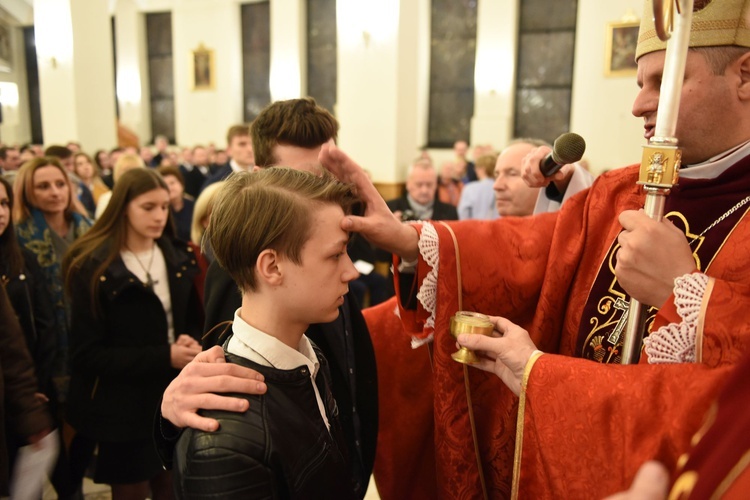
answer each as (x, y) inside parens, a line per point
(660, 162)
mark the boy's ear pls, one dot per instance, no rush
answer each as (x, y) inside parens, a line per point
(267, 267)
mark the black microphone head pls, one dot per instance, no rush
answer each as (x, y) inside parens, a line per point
(568, 148)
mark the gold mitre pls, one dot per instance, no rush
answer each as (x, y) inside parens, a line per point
(715, 23)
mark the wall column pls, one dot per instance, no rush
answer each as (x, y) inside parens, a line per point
(76, 81)
(379, 106)
(132, 69)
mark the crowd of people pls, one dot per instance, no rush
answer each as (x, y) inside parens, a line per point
(201, 311)
(90, 247)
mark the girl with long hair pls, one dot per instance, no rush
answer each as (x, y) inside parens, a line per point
(135, 320)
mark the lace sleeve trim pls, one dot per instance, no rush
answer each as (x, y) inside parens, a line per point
(429, 249)
(676, 343)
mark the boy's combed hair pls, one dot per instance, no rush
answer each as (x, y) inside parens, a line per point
(268, 209)
(295, 122)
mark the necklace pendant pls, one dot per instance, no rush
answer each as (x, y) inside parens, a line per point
(149, 282)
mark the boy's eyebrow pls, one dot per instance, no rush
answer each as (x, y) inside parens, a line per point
(338, 243)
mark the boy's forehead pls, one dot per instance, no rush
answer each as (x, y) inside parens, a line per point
(326, 222)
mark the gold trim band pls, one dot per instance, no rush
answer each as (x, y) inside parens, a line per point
(519, 423)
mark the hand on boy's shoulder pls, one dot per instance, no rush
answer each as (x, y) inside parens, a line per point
(199, 387)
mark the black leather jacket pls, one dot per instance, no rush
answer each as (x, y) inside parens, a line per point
(279, 448)
(120, 357)
(347, 346)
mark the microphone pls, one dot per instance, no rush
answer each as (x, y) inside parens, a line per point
(568, 148)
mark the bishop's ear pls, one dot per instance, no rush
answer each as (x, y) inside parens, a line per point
(267, 267)
(744, 73)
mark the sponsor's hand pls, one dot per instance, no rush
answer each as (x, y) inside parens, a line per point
(200, 385)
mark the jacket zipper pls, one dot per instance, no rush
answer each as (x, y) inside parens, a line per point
(312, 466)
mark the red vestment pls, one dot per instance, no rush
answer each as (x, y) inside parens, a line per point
(718, 465)
(405, 453)
(586, 427)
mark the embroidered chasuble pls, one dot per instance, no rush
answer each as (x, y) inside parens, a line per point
(693, 206)
(586, 428)
(718, 464)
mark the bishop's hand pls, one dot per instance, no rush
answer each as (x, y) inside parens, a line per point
(651, 255)
(379, 225)
(506, 353)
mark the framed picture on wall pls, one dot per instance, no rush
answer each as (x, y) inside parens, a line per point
(202, 68)
(5, 58)
(622, 38)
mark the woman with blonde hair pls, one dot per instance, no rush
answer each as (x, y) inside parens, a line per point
(136, 318)
(48, 219)
(47, 222)
(202, 213)
(87, 171)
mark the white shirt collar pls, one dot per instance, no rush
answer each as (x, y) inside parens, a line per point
(251, 343)
(236, 167)
(716, 165)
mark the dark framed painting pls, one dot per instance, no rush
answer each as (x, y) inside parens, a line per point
(202, 68)
(622, 38)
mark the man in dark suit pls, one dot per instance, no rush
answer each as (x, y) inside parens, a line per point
(467, 170)
(161, 144)
(196, 173)
(240, 151)
(419, 202)
(289, 133)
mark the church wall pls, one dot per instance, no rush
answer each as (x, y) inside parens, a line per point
(203, 116)
(601, 105)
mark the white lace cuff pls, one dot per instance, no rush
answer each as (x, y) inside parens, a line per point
(675, 343)
(429, 249)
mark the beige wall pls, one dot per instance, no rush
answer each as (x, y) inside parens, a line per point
(601, 105)
(76, 80)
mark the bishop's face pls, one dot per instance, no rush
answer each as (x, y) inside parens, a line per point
(710, 108)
